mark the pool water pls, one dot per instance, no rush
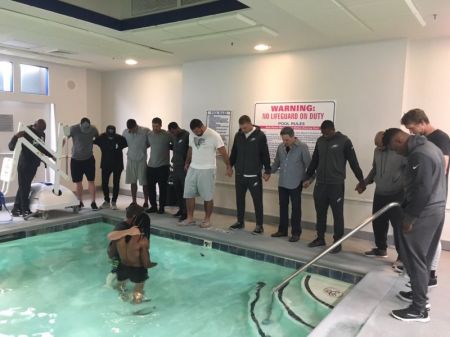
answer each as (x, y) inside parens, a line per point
(54, 285)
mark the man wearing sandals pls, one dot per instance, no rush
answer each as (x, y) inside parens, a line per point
(201, 169)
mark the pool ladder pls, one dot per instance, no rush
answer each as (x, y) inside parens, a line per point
(325, 252)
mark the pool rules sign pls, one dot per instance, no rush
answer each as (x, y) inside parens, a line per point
(304, 117)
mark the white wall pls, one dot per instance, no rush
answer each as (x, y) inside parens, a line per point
(70, 104)
(141, 94)
(427, 86)
(366, 81)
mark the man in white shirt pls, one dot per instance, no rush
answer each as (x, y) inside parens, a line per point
(201, 169)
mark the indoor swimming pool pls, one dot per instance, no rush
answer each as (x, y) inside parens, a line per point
(54, 285)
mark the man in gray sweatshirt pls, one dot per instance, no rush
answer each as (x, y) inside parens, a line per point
(423, 219)
(291, 161)
(387, 173)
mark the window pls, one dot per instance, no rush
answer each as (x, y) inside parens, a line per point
(6, 77)
(33, 79)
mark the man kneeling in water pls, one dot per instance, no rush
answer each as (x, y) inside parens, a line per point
(134, 258)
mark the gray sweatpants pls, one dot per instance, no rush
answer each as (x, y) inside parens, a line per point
(417, 249)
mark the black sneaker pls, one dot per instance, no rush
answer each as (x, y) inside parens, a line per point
(258, 230)
(336, 249)
(178, 214)
(432, 283)
(26, 212)
(294, 238)
(405, 296)
(317, 242)
(375, 252)
(81, 205)
(182, 217)
(151, 210)
(94, 206)
(237, 225)
(411, 315)
(278, 234)
(161, 211)
(16, 212)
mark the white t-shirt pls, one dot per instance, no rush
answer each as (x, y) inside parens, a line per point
(204, 149)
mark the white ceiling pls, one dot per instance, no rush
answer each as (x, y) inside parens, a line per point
(284, 24)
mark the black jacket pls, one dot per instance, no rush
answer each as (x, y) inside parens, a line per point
(27, 157)
(180, 149)
(330, 157)
(249, 155)
(112, 156)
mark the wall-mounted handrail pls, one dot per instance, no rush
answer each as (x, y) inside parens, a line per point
(325, 252)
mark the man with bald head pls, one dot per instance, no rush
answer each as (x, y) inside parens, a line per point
(423, 216)
(387, 174)
(27, 166)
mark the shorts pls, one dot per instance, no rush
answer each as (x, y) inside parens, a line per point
(134, 274)
(78, 168)
(136, 171)
(200, 183)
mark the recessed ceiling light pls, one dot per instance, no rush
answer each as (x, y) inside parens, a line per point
(131, 62)
(262, 47)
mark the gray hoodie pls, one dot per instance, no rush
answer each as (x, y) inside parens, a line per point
(387, 172)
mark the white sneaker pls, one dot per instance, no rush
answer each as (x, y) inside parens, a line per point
(105, 205)
(114, 205)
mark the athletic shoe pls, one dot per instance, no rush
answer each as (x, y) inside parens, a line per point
(16, 212)
(294, 238)
(258, 230)
(94, 206)
(178, 214)
(336, 249)
(151, 210)
(406, 296)
(432, 283)
(317, 242)
(278, 234)
(26, 212)
(105, 205)
(237, 225)
(114, 205)
(161, 211)
(398, 268)
(182, 217)
(411, 315)
(375, 252)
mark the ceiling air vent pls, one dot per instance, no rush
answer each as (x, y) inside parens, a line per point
(144, 7)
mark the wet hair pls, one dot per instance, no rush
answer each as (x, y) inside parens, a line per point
(172, 126)
(414, 116)
(133, 211)
(131, 124)
(244, 119)
(195, 123)
(142, 221)
(389, 134)
(287, 130)
(327, 125)
(85, 120)
(157, 120)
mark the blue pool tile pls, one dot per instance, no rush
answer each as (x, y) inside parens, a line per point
(336, 274)
(350, 278)
(289, 263)
(259, 256)
(13, 236)
(250, 254)
(232, 250)
(299, 264)
(196, 241)
(279, 261)
(223, 247)
(215, 245)
(241, 252)
(269, 258)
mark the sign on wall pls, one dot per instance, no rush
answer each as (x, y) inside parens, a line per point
(220, 121)
(304, 117)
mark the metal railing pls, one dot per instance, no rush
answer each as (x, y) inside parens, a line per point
(325, 252)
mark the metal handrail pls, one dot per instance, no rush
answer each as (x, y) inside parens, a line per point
(326, 251)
